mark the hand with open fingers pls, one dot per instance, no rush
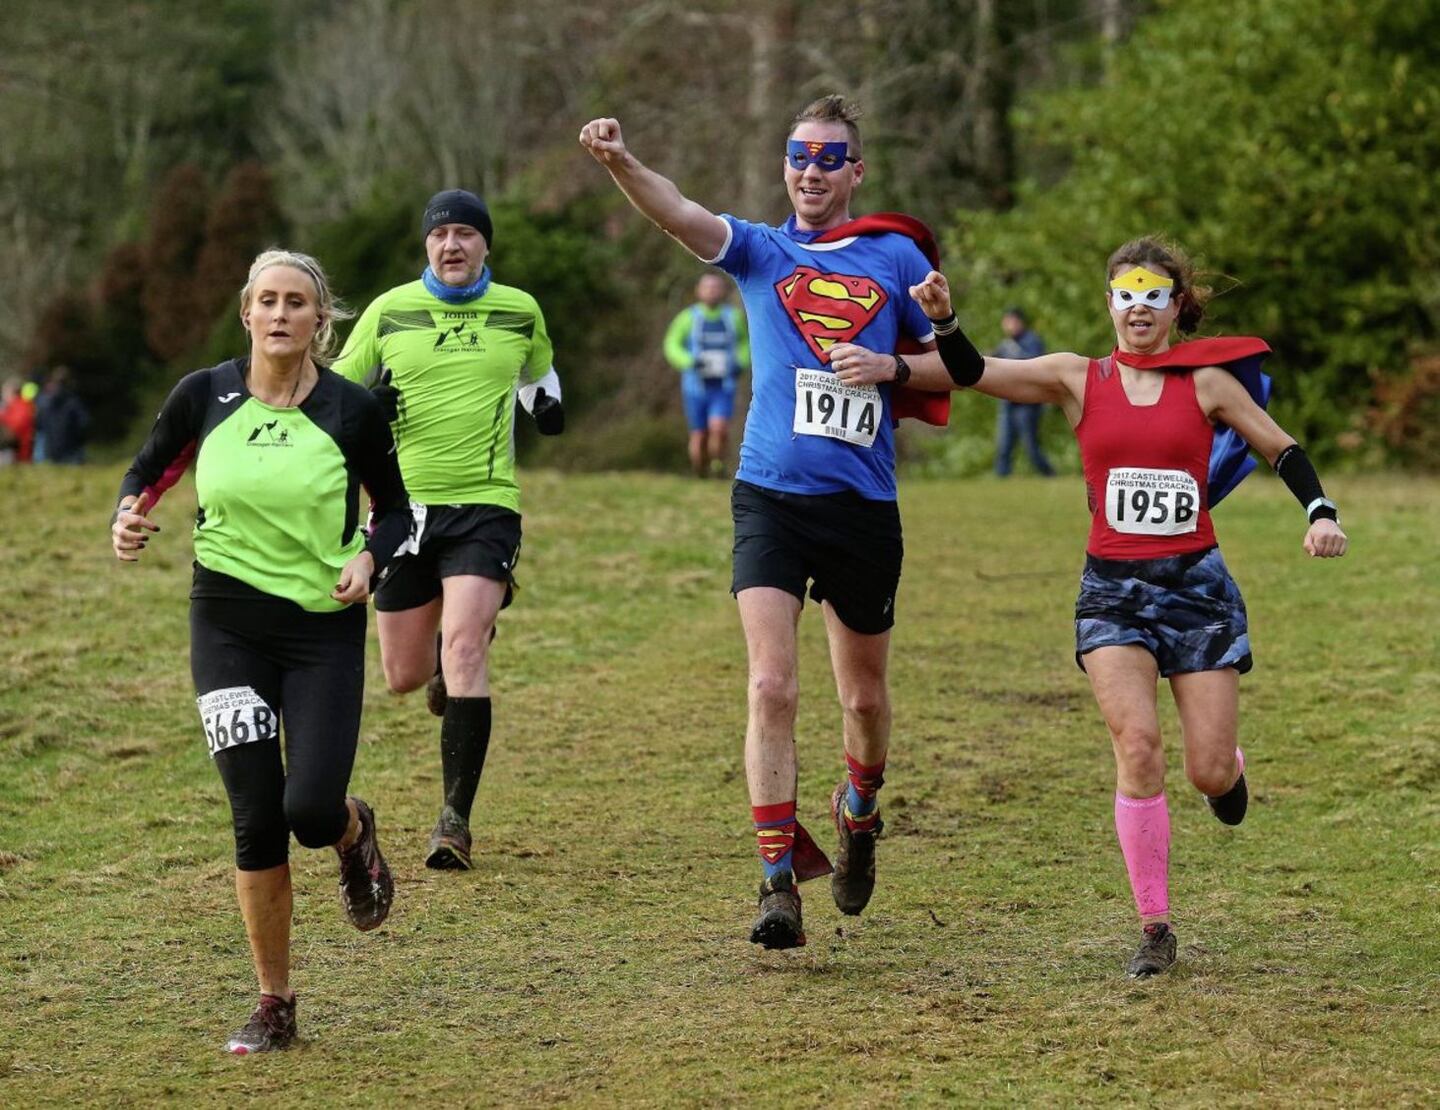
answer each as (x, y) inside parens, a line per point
(602, 138)
(354, 584)
(127, 530)
(933, 296)
(1325, 540)
(856, 365)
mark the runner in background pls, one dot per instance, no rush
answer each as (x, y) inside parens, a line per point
(1159, 427)
(447, 355)
(709, 344)
(281, 446)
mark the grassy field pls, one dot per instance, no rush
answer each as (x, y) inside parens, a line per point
(597, 954)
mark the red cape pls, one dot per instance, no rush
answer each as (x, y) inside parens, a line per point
(931, 408)
(1195, 353)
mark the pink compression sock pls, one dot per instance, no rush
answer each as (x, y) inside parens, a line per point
(1143, 825)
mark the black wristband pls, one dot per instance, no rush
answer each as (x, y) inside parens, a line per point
(962, 361)
(902, 371)
(1296, 471)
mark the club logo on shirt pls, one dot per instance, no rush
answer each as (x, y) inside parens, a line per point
(265, 435)
(461, 337)
(829, 308)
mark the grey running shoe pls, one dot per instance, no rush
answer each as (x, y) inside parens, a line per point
(270, 1028)
(1230, 806)
(436, 696)
(854, 879)
(366, 887)
(1155, 954)
(778, 925)
(449, 843)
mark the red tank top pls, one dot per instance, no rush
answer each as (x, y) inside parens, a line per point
(1147, 467)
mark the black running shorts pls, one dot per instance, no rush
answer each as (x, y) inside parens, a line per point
(846, 548)
(482, 540)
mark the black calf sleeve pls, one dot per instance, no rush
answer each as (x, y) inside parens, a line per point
(1296, 471)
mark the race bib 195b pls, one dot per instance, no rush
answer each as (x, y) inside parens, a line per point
(826, 406)
(1152, 502)
(236, 715)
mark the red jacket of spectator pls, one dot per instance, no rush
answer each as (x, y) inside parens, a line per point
(19, 417)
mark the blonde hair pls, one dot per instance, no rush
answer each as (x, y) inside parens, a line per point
(323, 345)
(832, 109)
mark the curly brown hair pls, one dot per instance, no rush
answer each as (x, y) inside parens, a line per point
(1156, 252)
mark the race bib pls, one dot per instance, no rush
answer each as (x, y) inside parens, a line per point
(713, 364)
(826, 406)
(1152, 502)
(236, 715)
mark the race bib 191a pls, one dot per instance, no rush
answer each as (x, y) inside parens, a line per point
(1152, 502)
(826, 406)
(236, 715)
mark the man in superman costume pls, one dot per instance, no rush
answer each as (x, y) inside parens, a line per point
(814, 500)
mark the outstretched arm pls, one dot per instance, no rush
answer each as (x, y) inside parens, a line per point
(1227, 401)
(1057, 379)
(698, 229)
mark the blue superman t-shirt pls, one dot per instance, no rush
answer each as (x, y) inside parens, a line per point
(802, 298)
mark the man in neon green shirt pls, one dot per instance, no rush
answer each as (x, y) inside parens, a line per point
(709, 344)
(448, 354)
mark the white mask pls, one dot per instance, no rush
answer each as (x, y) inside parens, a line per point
(1137, 286)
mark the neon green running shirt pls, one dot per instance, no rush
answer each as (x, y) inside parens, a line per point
(457, 367)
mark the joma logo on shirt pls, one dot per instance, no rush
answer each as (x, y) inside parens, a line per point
(265, 435)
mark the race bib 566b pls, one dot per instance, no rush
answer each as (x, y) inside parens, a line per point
(236, 715)
(1152, 502)
(826, 406)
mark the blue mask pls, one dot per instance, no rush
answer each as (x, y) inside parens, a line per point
(828, 156)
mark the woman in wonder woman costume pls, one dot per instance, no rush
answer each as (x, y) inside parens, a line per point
(1165, 431)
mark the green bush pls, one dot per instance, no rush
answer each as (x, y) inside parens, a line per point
(1291, 146)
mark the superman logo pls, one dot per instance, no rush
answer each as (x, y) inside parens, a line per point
(829, 308)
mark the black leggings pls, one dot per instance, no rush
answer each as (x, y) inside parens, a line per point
(258, 664)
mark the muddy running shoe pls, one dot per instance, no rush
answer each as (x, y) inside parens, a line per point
(1230, 806)
(1155, 954)
(366, 888)
(436, 696)
(854, 879)
(270, 1028)
(778, 925)
(449, 843)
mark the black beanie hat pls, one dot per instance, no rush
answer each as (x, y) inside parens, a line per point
(458, 206)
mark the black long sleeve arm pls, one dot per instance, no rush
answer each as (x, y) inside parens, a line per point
(373, 456)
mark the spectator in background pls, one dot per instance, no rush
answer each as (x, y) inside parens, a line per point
(1019, 419)
(709, 344)
(62, 419)
(17, 423)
